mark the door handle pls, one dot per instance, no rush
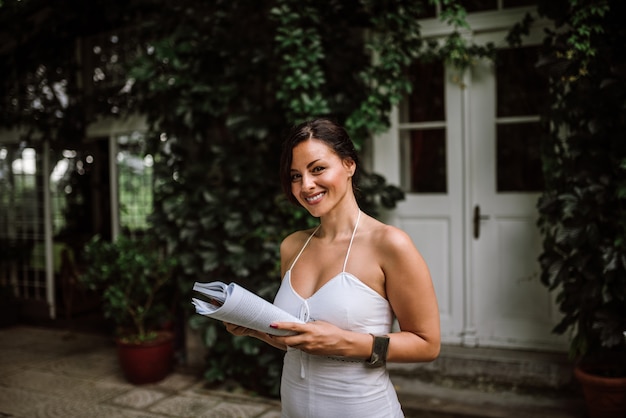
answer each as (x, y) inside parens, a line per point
(477, 218)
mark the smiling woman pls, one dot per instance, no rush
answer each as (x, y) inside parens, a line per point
(319, 178)
(345, 280)
(338, 146)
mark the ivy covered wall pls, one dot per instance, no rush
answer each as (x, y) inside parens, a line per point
(221, 82)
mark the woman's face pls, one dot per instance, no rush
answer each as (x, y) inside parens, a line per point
(320, 179)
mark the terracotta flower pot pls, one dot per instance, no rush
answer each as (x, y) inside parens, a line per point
(605, 396)
(147, 362)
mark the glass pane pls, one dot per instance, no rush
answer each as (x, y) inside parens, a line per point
(521, 89)
(507, 4)
(80, 192)
(519, 161)
(479, 5)
(72, 193)
(426, 102)
(22, 261)
(424, 158)
(135, 171)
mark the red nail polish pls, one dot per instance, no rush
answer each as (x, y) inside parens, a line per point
(273, 326)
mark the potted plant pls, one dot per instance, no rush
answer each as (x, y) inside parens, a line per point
(135, 279)
(583, 207)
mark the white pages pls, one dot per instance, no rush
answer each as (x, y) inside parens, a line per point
(236, 305)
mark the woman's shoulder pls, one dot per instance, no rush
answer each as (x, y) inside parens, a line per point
(388, 235)
(290, 246)
(296, 238)
(300, 234)
(394, 246)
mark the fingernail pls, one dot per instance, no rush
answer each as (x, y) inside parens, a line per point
(273, 326)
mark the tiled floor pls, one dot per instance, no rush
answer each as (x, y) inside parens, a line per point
(51, 373)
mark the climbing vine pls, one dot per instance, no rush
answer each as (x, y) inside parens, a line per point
(393, 43)
(300, 52)
(221, 82)
(583, 207)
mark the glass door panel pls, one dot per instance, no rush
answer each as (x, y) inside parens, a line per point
(426, 102)
(424, 160)
(520, 93)
(423, 131)
(518, 159)
(135, 182)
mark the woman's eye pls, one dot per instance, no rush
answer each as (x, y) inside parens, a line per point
(318, 169)
(295, 177)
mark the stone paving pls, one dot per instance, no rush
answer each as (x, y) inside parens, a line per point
(50, 373)
(56, 373)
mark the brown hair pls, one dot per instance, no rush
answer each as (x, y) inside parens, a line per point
(325, 130)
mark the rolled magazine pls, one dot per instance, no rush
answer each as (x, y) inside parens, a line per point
(236, 305)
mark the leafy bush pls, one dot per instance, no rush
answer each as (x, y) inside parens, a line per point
(583, 208)
(217, 128)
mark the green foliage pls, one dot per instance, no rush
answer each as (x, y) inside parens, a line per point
(584, 21)
(455, 49)
(40, 90)
(220, 83)
(394, 43)
(135, 279)
(299, 46)
(217, 197)
(583, 209)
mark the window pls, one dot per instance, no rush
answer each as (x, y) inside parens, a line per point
(135, 182)
(71, 192)
(521, 91)
(21, 221)
(423, 132)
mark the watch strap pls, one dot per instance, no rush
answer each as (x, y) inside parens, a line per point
(379, 351)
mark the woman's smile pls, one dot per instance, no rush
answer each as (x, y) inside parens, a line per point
(315, 198)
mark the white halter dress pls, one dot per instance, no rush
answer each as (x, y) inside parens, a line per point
(315, 386)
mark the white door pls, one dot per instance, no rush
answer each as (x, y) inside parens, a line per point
(423, 151)
(472, 176)
(511, 306)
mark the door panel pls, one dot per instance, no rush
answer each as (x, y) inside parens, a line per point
(432, 238)
(484, 265)
(511, 307)
(423, 152)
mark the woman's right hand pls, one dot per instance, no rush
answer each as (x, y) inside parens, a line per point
(239, 330)
(248, 332)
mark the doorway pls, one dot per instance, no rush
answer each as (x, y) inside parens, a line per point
(466, 151)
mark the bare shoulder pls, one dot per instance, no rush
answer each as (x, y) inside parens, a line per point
(395, 249)
(295, 239)
(390, 238)
(290, 246)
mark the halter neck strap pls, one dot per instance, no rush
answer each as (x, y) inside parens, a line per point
(304, 246)
(345, 262)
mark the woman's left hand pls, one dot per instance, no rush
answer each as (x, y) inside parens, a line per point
(316, 337)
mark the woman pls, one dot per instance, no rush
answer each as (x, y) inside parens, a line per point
(346, 279)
